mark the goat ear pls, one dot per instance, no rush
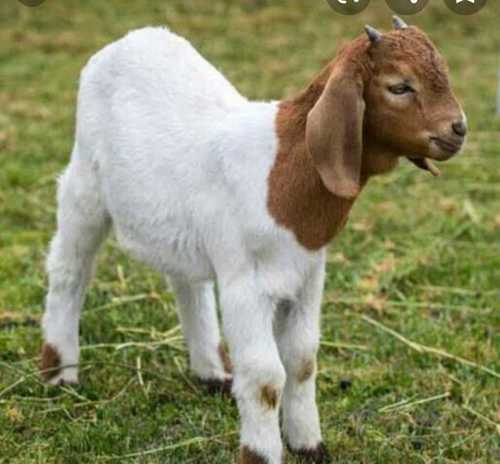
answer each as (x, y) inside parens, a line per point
(334, 135)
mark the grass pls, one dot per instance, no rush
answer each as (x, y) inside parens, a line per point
(410, 357)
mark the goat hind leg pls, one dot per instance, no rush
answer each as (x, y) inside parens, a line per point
(197, 311)
(82, 226)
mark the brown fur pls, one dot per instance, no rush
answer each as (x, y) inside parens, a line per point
(50, 365)
(248, 456)
(306, 371)
(225, 358)
(269, 397)
(298, 198)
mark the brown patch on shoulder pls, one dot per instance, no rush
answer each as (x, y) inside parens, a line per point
(306, 370)
(318, 455)
(269, 396)
(50, 365)
(297, 198)
(248, 456)
(226, 360)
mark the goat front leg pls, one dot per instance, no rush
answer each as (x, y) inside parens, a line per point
(258, 374)
(297, 329)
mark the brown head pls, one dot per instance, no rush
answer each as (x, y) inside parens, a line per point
(386, 96)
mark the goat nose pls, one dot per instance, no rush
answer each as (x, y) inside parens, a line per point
(460, 128)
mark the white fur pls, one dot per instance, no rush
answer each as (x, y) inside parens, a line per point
(177, 161)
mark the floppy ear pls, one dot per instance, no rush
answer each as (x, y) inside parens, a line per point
(334, 134)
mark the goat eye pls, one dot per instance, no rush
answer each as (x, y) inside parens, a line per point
(401, 89)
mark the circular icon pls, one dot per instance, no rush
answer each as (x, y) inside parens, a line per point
(348, 7)
(31, 2)
(407, 7)
(465, 7)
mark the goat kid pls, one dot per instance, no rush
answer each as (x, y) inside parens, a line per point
(202, 184)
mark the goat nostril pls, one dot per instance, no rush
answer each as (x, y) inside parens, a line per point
(459, 128)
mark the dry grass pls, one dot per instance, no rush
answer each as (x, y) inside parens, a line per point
(410, 356)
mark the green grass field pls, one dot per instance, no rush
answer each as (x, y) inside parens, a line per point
(409, 364)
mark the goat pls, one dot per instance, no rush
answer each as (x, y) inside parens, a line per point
(204, 185)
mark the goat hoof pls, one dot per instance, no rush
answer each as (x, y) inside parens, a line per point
(318, 455)
(62, 380)
(51, 370)
(218, 387)
(68, 383)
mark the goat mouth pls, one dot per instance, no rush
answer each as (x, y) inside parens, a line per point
(447, 147)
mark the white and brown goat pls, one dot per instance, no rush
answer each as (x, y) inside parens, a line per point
(205, 186)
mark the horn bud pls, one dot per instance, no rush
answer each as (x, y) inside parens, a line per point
(374, 35)
(399, 23)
